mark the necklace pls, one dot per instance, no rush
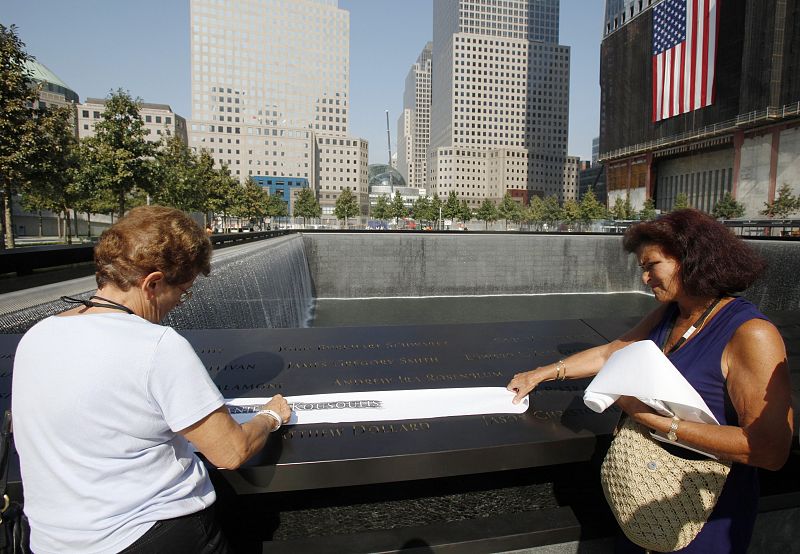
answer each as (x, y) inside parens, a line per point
(690, 331)
(90, 304)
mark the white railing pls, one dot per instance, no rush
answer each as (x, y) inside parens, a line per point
(742, 120)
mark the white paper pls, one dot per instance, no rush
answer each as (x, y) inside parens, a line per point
(391, 405)
(643, 371)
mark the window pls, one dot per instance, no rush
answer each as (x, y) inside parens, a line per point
(85, 113)
(158, 119)
(97, 115)
(148, 119)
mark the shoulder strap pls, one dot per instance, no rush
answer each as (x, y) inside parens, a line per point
(5, 451)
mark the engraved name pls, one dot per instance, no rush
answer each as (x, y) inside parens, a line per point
(231, 367)
(391, 428)
(256, 386)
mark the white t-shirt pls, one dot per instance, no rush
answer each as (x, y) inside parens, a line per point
(97, 401)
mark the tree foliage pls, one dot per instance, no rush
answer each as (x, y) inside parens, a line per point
(175, 176)
(397, 208)
(52, 179)
(648, 212)
(452, 207)
(120, 157)
(551, 211)
(17, 122)
(728, 208)
(508, 209)
(381, 209)
(784, 205)
(591, 209)
(681, 202)
(487, 212)
(465, 213)
(571, 210)
(421, 210)
(306, 204)
(346, 205)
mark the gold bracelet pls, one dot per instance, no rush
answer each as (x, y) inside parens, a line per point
(558, 373)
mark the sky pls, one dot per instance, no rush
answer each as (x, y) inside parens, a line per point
(142, 46)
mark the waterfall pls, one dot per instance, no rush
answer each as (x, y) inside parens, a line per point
(263, 284)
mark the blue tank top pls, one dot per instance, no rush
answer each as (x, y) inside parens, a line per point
(730, 526)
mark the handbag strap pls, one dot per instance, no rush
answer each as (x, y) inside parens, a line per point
(5, 452)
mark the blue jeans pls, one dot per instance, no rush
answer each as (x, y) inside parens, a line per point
(196, 533)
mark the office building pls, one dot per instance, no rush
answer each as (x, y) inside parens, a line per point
(500, 101)
(159, 119)
(728, 123)
(270, 93)
(572, 169)
(414, 124)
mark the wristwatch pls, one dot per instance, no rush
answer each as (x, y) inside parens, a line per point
(673, 428)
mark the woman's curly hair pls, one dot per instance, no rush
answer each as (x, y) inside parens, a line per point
(713, 261)
(148, 239)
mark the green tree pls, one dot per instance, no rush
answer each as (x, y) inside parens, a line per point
(205, 178)
(306, 205)
(465, 214)
(252, 201)
(346, 206)
(119, 154)
(52, 183)
(648, 212)
(397, 209)
(619, 210)
(486, 213)
(728, 208)
(571, 210)
(174, 176)
(17, 125)
(223, 193)
(784, 205)
(421, 210)
(630, 213)
(381, 209)
(508, 210)
(452, 207)
(276, 206)
(681, 202)
(535, 210)
(436, 209)
(591, 209)
(551, 211)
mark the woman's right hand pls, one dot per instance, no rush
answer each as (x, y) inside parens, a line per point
(279, 405)
(524, 383)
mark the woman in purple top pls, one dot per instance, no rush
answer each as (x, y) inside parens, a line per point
(727, 350)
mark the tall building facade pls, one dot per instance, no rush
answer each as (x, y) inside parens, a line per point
(270, 92)
(500, 102)
(745, 142)
(414, 125)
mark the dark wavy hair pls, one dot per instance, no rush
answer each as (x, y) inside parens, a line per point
(713, 261)
(148, 239)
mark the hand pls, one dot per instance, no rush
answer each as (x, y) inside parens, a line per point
(523, 383)
(278, 404)
(633, 407)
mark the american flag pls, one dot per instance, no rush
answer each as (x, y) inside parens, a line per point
(684, 52)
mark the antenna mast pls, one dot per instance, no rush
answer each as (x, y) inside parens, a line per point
(388, 138)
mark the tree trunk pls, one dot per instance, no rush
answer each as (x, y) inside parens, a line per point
(67, 228)
(75, 222)
(41, 224)
(8, 221)
(121, 203)
(88, 225)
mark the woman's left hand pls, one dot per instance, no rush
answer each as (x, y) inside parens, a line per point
(634, 407)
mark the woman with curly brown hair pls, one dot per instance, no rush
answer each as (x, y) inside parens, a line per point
(106, 402)
(725, 348)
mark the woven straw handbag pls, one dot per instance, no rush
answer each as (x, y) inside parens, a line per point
(661, 501)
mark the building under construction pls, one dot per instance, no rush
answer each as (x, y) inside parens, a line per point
(744, 140)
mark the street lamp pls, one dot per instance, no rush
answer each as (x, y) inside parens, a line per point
(440, 218)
